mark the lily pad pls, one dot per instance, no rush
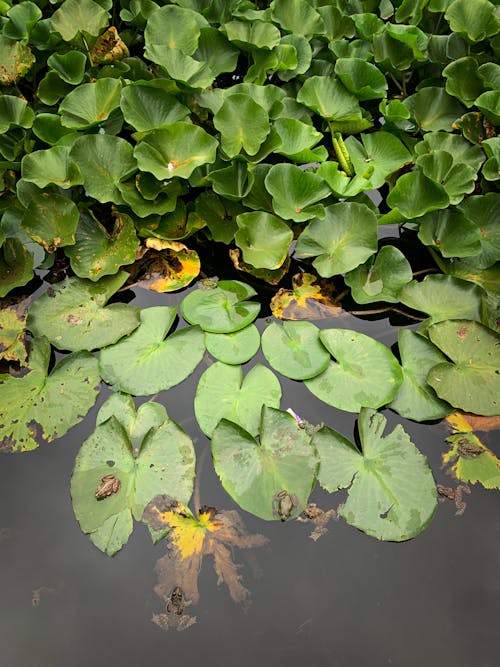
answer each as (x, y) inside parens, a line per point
(391, 492)
(365, 373)
(149, 455)
(328, 98)
(234, 348)
(295, 192)
(221, 394)
(74, 316)
(243, 124)
(457, 179)
(16, 59)
(90, 103)
(146, 362)
(74, 16)
(147, 108)
(381, 277)
(14, 112)
(295, 349)
(451, 233)
(380, 150)
(471, 381)
(361, 78)
(311, 298)
(484, 212)
(223, 308)
(51, 220)
(12, 333)
(52, 166)
(263, 238)
(16, 265)
(166, 267)
(415, 194)
(471, 462)
(261, 475)
(433, 109)
(343, 240)
(475, 19)
(39, 407)
(415, 398)
(297, 17)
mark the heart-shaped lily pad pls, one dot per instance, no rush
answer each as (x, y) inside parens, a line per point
(222, 308)
(146, 453)
(273, 477)
(40, 406)
(146, 362)
(74, 316)
(381, 277)
(295, 192)
(365, 373)
(234, 348)
(263, 238)
(391, 491)
(221, 394)
(295, 349)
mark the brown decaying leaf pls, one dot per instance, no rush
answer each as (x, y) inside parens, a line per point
(463, 422)
(165, 266)
(311, 298)
(12, 333)
(108, 48)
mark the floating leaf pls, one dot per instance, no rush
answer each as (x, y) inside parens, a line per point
(41, 407)
(146, 452)
(391, 491)
(457, 179)
(173, 27)
(271, 276)
(296, 192)
(74, 16)
(52, 166)
(108, 48)
(16, 59)
(16, 265)
(69, 66)
(295, 349)
(365, 373)
(381, 277)
(489, 104)
(450, 232)
(463, 80)
(74, 316)
(415, 398)
(474, 19)
(382, 151)
(361, 78)
(415, 194)
(491, 169)
(311, 298)
(90, 103)
(484, 212)
(222, 309)
(146, 362)
(329, 99)
(14, 112)
(97, 252)
(12, 334)
(221, 394)
(51, 220)
(272, 477)
(234, 348)
(263, 238)
(296, 138)
(166, 267)
(147, 108)
(472, 381)
(464, 422)
(297, 17)
(461, 150)
(243, 124)
(342, 241)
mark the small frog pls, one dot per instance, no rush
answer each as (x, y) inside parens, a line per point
(109, 485)
(468, 449)
(284, 504)
(447, 492)
(176, 603)
(207, 283)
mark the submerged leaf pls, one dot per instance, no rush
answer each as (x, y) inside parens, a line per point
(311, 298)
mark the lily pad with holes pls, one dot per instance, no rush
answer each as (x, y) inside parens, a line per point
(295, 349)
(391, 492)
(223, 394)
(365, 373)
(149, 455)
(234, 348)
(471, 381)
(40, 407)
(149, 361)
(73, 314)
(222, 309)
(261, 475)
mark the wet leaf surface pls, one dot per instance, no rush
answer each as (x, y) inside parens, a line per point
(311, 298)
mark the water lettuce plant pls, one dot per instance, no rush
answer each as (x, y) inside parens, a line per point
(318, 157)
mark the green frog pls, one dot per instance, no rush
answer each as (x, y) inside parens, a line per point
(109, 485)
(284, 504)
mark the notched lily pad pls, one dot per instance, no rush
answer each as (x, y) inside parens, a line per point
(234, 348)
(294, 349)
(311, 298)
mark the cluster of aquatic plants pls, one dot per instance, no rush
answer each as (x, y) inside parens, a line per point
(137, 134)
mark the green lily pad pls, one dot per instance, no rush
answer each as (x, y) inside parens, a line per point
(295, 349)
(457, 179)
(365, 373)
(342, 241)
(296, 138)
(41, 407)
(471, 381)
(463, 80)
(433, 109)
(149, 455)
(489, 104)
(450, 232)
(70, 66)
(51, 220)
(16, 59)
(221, 394)
(474, 19)
(147, 108)
(146, 362)
(462, 151)
(329, 98)
(391, 491)
(16, 265)
(361, 78)
(415, 194)
(415, 398)
(381, 277)
(97, 252)
(52, 166)
(12, 333)
(295, 192)
(261, 475)
(14, 112)
(484, 212)
(221, 309)
(250, 35)
(175, 150)
(90, 103)
(263, 238)
(234, 348)
(297, 17)
(380, 150)
(74, 16)
(74, 316)
(173, 27)
(243, 124)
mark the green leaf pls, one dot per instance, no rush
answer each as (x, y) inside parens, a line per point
(296, 137)
(104, 161)
(175, 150)
(90, 103)
(484, 212)
(329, 99)
(463, 80)
(173, 27)
(16, 265)
(147, 362)
(381, 277)
(433, 109)
(365, 373)
(148, 453)
(14, 112)
(489, 104)
(295, 192)
(415, 195)
(342, 241)
(41, 407)
(381, 151)
(342, 185)
(474, 19)
(491, 169)
(74, 16)
(233, 182)
(297, 17)
(263, 238)
(221, 394)
(221, 309)
(391, 491)
(471, 381)
(52, 166)
(457, 179)
(256, 473)
(73, 314)
(22, 19)
(219, 215)
(361, 78)
(97, 252)
(461, 150)
(70, 66)
(51, 220)
(451, 233)
(242, 123)
(16, 60)
(252, 35)
(415, 398)
(234, 348)
(147, 108)
(295, 349)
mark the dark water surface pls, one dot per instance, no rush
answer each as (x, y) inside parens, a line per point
(343, 601)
